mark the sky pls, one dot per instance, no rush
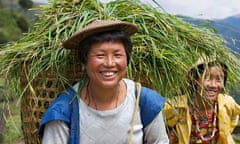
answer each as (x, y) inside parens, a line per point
(204, 9)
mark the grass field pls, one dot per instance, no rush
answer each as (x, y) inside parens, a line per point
(12, 132)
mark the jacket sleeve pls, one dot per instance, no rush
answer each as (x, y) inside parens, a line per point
(229, 112)
(58, 110)
(155, 132)
(175, 109)
(170, 114)
(55, 132)
(235, 114)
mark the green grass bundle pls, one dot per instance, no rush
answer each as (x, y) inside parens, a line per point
(164, 48)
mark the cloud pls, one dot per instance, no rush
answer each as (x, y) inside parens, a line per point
(206, 9)
(41, 1)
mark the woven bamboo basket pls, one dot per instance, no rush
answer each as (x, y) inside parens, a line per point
(44, 89)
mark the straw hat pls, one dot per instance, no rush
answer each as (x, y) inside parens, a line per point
(97, 27)
(204, 60)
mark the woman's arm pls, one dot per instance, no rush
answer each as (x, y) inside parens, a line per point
(55, 132)
(155, 132)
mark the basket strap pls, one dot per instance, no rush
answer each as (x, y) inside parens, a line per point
(135, 112)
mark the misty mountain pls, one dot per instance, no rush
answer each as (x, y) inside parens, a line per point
(228, 28)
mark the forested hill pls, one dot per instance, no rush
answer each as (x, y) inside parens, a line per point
(16, 18)
(228, 28)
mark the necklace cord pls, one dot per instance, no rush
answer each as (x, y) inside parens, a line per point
(90, 98)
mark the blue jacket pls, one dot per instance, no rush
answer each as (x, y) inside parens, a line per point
(66, 109)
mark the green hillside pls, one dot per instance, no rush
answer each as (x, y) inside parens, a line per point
(12, 26)
(15, 19)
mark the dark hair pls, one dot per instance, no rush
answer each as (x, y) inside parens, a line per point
(115, 36)
(195, 73)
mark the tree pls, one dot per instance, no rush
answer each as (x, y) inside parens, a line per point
(1, 4)
(25, 4)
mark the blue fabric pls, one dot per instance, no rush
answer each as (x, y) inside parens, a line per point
(150, 107)
(66, 108)
(75, 121)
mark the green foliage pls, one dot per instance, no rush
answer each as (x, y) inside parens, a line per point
(236, 139)
(235, 91)
(8, 27)
(3, 94)
(3, 38)
(1, 4)
(25, 4)
(23, 23)
(13, 133)
(12, 26)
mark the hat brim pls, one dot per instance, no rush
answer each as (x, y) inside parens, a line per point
(204, 60)
(98, 27)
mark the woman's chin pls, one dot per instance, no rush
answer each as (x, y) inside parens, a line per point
(212, 97)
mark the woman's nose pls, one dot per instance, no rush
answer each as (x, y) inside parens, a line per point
(109, 61)
(213, 83)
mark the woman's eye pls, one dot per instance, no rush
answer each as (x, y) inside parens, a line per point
(118, 55)
(220, 79)
(207, 77)
(100, 55)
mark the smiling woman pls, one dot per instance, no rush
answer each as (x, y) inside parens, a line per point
(105, 103)
(209, 115)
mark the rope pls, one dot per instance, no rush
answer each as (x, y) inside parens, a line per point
(135, 112)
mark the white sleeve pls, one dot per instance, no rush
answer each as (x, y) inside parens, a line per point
(55, 132)
(155, 132)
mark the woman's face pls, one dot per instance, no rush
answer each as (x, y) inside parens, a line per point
(106, 64)
(211, 83)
